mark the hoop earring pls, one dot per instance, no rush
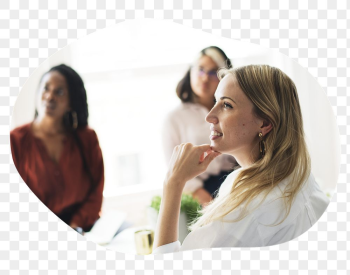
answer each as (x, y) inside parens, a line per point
(262, 145)
(75, 119)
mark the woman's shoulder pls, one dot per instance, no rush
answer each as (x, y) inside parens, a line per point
(309, 189)
(88, 137)
(86, 130)
(309, 197)
(314, 196)
(264, 223)
(87, 133)
(21, 131)
(20, 139)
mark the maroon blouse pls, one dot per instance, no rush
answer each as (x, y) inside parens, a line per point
(64, 184)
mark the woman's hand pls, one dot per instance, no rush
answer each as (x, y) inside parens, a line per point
(187, 162)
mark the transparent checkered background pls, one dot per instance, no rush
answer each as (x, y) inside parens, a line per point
(314, 33)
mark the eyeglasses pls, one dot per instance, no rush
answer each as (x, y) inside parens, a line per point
(212, 75)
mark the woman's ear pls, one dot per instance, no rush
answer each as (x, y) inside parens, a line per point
(266, 127)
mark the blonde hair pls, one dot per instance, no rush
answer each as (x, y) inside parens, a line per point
(275, 99)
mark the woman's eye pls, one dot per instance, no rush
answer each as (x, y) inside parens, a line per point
(59, 92)
(226, 105)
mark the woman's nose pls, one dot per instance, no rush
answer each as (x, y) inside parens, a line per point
(211, 117)
(205, 77)
(49, 95)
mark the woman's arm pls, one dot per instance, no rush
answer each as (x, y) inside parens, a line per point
(187, 162)
(169, 212)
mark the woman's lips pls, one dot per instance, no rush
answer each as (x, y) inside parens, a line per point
(215, 135)
(50, 106)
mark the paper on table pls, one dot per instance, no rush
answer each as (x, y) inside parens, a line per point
(105, 228)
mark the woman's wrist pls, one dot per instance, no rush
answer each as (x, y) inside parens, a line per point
(174, 184)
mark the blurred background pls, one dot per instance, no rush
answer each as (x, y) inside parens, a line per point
(131, 71)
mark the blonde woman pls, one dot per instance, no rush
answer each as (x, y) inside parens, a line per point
(272, 198)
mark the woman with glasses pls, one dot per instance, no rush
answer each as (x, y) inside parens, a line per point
(187, 123)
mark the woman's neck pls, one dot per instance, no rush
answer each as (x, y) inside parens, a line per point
(49, 126)
(247, 159)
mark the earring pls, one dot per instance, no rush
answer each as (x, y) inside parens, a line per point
(262, 145)
(185, 95)
(75, 119)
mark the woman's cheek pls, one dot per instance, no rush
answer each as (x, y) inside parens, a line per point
(214, 86)
(193, 80)
(242, 133)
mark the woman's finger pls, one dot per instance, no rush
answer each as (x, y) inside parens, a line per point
(203, 147)
(203, 151)
(209, 158)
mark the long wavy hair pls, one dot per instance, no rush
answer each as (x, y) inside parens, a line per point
(275, 99)
(183, 89)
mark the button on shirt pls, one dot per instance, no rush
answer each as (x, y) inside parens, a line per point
(255, 229)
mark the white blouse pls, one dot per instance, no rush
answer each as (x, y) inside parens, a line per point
(186, 123)
(255, 229)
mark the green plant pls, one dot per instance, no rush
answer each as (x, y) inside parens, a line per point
(189, 205)
(156, 200)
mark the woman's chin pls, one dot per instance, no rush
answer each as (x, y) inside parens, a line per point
(49, 112)
(53, 114)
(215, 147)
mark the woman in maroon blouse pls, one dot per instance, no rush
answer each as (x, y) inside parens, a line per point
(58, 155)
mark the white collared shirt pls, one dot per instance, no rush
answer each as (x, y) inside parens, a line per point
(255, 229)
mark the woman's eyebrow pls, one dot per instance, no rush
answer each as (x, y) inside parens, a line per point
(226, 97)
(212, 69)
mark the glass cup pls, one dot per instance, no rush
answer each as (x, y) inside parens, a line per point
(144, 241)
